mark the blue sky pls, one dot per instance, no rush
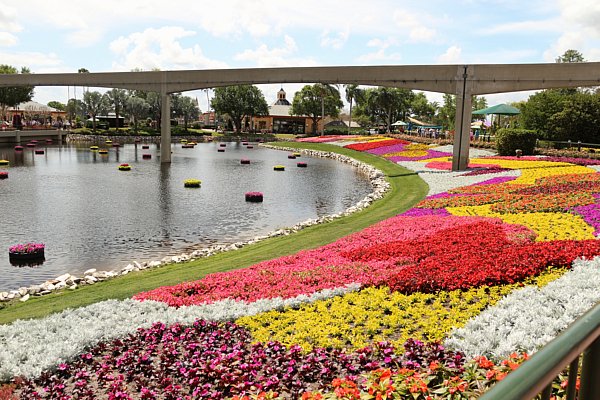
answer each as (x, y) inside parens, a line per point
(111, 35)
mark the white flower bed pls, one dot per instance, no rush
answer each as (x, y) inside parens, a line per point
(529, 318)
(27, 347)
(440, 181)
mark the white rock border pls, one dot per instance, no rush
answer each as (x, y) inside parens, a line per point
(67, 281)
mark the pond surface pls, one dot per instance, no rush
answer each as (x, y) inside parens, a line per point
(91, 215)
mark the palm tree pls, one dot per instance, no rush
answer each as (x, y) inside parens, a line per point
(352, 93)
(95, 104)
(117, 99)
(325, 89)
(137, 107)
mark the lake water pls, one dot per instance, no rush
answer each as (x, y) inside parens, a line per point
(91, 215)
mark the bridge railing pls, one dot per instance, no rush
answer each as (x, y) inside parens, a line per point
(576, 350)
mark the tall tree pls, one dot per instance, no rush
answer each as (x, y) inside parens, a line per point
(387, 104)
(239, 102)
(447, 112)
(325, 90)
(13, 95)
(540, 107)
(74, 109)
(188, 109)
(570, 56)
(310, 101)
(353, 92)
(117, 99)
(95, 104)
(137, 108)
(478, 103)
(421, 108)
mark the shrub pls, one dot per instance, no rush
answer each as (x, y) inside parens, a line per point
(509, 140)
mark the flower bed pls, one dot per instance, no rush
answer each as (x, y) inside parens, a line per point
(192, 183)
(302, 164)
(4, 162)
(125, 167)
(102, 151)
(279, 168)
(18, 148)
(27, 251)
(39, 152)
(145, 147)
(146, 156)
(254, 197)
(3, 175)
(244, 161)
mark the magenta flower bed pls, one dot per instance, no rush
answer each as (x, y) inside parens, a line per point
(217, 361)
(3, 175)
(388, 149)
(430, 154)
(591, 215)
(244, 161)
(255, 197)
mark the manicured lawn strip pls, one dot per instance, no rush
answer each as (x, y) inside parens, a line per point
(406, 190)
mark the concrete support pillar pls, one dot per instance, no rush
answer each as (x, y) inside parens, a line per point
(462, 121)
(18, 136)
(165, 129)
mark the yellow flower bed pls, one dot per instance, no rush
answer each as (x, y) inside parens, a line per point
(407, 153)
(547, 226)
(374, 314)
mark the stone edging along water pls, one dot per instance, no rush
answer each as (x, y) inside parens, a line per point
(67, 281)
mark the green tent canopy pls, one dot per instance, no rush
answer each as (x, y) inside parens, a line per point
(499, 109)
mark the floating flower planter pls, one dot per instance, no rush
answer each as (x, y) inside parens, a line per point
(221, 150)
(39, 152)
(297, 154)
(137, 140)
(249, 147)
(48, 140)
(254, 197)
(27, 251)
(124, 167)
(18, 148)
(3, 175)
(33, 141)
(108, 142)
(94, 148)
(279, 168)
(102, 151)
(301, 164)
(145, 146)
(244, 143)
(244, 161)
(187, 146)
(291, 156)
(222, 145)
(30, 144)
(116, 144)
(146, 156)
(183, 141)
(192, 183)
(4, 162)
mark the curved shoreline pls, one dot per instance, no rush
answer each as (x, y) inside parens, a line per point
(379, 187)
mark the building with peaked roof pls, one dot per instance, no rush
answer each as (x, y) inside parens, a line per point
(34, 111)
(280, 119)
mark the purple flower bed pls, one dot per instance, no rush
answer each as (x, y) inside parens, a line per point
(388, 149)
(572, 160)
(499, 179)
(591, 215)
(214, 361)
(492, 170)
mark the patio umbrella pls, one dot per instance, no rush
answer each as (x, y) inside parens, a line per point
(499, 109)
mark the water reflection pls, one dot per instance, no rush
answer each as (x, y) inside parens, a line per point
(91, 215)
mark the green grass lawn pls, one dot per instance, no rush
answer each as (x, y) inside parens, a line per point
(406, 190)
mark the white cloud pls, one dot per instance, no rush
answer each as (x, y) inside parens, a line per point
(159, 48)
(337, 41)
(284, 56)
(35, 61)
(451, 56)
(8, 39)
(8, 19)
(419, 25)
(569, 40)
(522, 27)
(380, 55)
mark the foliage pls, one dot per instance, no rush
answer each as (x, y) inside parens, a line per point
(117, 99)
(310, 99)
(385, 105)
(239, 102)
(508, 140)
(57, 104)
(137, 108)
(185, 107)
(353, 93)
(571, 56)
(579, 119)
(95, 104)
(12, 95)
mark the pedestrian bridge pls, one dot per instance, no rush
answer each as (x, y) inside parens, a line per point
(464, 81)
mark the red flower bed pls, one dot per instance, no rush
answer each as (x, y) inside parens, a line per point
(374, 145)
(427, 254)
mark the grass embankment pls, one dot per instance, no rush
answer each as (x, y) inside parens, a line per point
(406, 189)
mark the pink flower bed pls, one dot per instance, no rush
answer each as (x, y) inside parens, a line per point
(430, 154)
(375, 144)
(324, 139)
